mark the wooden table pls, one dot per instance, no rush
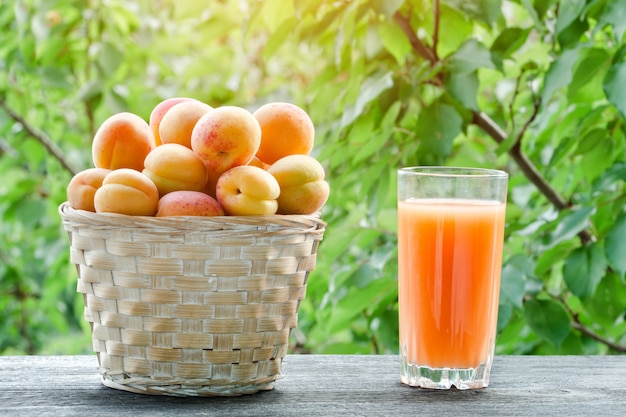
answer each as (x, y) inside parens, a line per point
(328, 385)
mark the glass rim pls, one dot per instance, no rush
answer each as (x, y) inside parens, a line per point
(453, 171)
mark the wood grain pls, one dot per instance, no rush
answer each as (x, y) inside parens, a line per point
(327, 385)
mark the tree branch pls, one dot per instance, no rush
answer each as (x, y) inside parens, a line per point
(417, 45)
(41, 137)
(518, 81)
(533, 116)
(591, 334)
(490, 127)
(577, 325)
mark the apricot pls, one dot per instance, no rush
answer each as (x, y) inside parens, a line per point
(127, 191)
(122, 141)
(286, 130)
(82, 188)
(258, 163)
(174, 167)
(188, 203)
(159, 111)
(226, 137)
(247, 190)
(177, 124)
(303, 189)
(211, 184)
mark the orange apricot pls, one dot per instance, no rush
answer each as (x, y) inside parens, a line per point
(247, 191)
(122, 141)
(82, 188)
(174, 167)
(177, 124)
(159, 111)
(303, 189)
(127, 191)
(286, 129)
(226, 137)
(188, 203)
(258, 163)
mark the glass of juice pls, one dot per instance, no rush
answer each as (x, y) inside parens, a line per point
(450, 237)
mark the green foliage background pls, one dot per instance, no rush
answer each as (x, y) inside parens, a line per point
(535, 87)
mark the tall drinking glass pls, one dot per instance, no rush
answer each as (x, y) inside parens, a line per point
(450, 237)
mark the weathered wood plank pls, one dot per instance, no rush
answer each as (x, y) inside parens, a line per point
(324, 385)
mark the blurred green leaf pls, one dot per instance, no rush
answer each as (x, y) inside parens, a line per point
(509, 41)
(559, 74)
(596, 148)
(617, 172)
(568, 13)
(110, 57)
(583, 269)
(438, 125)
(279, 37)
(541, 6)
(548, 319)
(470, 56)
(593, 63)
(609, 301)
(512, 286)
(591, 140)
(370, 90)
(388, 7)
(505, 312)
(569, 225)
(598, 159)
(464, 87)
(614, 14)
(355, 302)
(124, 19)
(486, 11)
(275, 12)
(615, 246)
(30, 211)
(394, 40)
(90, 90)
(450, 40)
(373, 144)
(569, 25)
(615, 82)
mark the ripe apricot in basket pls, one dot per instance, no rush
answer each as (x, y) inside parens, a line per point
(127, 191)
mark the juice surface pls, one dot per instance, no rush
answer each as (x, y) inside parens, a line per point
(450, 255)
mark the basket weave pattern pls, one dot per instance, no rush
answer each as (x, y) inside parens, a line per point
(189, 305)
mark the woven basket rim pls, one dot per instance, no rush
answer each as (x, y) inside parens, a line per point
(310, 222)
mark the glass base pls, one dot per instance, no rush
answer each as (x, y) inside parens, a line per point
(444, 378)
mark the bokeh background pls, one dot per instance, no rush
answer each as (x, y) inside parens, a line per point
(534, 87)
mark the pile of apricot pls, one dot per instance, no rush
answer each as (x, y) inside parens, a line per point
(190, 159)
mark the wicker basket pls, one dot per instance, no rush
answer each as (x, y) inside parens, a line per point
(191, 306)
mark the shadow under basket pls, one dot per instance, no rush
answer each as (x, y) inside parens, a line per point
(191, 306)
